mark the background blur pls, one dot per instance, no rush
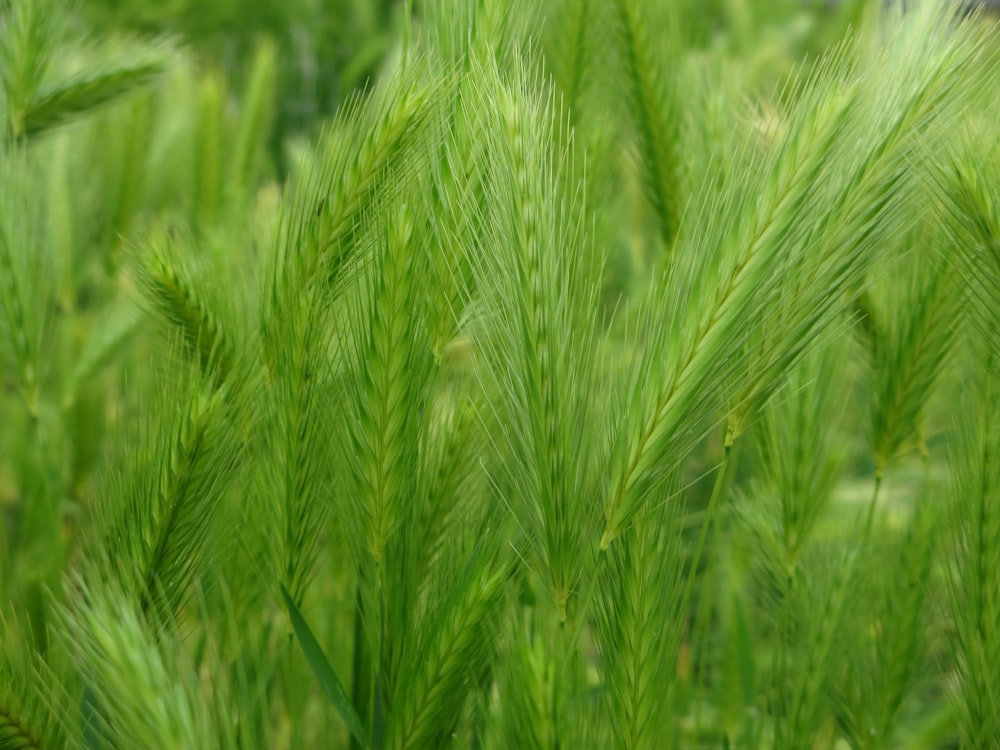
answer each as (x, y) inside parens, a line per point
(328, 49)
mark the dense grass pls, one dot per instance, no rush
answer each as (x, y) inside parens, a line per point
(601, 374)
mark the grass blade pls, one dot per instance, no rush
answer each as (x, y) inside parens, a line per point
(321, 667)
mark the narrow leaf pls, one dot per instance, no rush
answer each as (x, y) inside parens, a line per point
(320, 666)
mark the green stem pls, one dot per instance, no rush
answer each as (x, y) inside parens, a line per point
(587, 599)
(361, 677)
(702, 622)
(870, 522)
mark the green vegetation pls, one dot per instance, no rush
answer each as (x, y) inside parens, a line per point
(481, 374)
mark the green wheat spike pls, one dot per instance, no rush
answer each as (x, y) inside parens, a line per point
(173, 294)
(822, 241)
(65, 100)
(654, 111)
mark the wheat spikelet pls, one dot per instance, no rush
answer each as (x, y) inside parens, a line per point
(173, 294)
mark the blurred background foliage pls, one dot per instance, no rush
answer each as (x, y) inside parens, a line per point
(146, 151)
(327, 50)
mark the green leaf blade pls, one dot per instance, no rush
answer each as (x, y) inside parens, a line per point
(324, 672)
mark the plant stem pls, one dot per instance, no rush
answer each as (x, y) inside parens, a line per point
(361, 667)
(703, 615)
(872, 504)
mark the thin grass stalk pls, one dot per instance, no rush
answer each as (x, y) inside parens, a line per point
(699, 635)
(207, 189)
(255, 121)
(132, 178)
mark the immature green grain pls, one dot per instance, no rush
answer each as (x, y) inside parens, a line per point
(827, 602)
(27, 41)
(974, 506)
(973, 206)
(29, 699)
(676, 405)
(801, 460)
(449, 483)
(13, 733)
(393, 372)
(324, 234)
(136, 675)
(26, 270)
(63, 224)
(109, 336)
(456, 191)
(68, 99)
(424, 384)
(525, 674)
(827, 198)
(975, 555)
(448, 26)
(390, 369)
(456, 647)
(641, 625)
(799, 440)
(172, 292)
(537, 346)
(890, 634)
(297, 440)
(538, 278)
(654, 113)
(159, 514)
(571, 51)
(188, 502)
(132, 175)
(376, 137)
(911, 337)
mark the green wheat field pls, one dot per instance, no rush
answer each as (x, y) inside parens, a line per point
(488, 374)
